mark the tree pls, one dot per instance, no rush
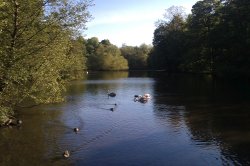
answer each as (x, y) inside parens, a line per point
(91, 46)
(105, 56)
(201, 24)
(105, 42)
(77, 60)
(232, 39)
(168, 41)
(136, 56)
(214, 38)
(35, 39)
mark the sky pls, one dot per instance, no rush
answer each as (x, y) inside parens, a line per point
(130, 22)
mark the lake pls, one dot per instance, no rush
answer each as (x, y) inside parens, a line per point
(189, 120)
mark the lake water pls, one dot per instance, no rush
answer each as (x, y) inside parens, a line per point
(189, 120)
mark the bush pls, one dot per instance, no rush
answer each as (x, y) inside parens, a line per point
(5, 114)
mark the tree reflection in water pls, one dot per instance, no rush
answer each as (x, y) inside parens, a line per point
(215, 113)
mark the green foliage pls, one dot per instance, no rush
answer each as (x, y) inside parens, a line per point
(76, 57)
(214, 38)
(168, 41)
(69, 14)
(104, 56)
(91, 45)
(37, 45)
(136, 56)
(5, 114)
(201, 24)
(232, 39)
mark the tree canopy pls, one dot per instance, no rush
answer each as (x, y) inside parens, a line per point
(168, 41)
(214, 38)
(136, 56)
(104, 56)
(36, 39)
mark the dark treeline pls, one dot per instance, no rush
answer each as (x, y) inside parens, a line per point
(214, 38)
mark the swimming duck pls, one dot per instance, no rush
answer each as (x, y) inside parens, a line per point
(66, 154)
(112, 94)
(76, 129)
(19, 122)
(147, 96)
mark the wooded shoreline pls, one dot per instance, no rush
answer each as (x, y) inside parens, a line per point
(41, 46)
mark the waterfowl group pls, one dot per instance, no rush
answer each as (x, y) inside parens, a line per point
(142, 98)
(13, 122)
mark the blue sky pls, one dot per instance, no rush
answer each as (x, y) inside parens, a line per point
(130, 22)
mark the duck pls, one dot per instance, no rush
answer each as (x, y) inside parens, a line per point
(143, 99)
(13, 122)
(112, 94)
(19, 122)
(66, 154)
(137, 97)
(147, 96)
(76, 129)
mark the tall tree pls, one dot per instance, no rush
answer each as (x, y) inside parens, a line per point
(91, 46)
(35, 37)
(77, 59)
(168, 40)
(201, 23)
(214, 38)
(232, 38)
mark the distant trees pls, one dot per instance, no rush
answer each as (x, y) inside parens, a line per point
(36, 47)
(137, 57)
(104, 56)
(214, 38)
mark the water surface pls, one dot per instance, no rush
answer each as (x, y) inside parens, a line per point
(190, 120)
